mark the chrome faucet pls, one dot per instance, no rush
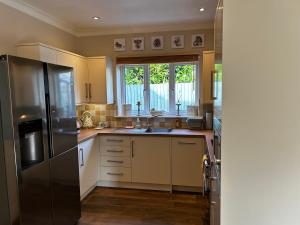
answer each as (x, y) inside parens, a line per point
(149, 125)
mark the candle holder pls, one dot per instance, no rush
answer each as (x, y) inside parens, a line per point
(139, 108)
(178, 104)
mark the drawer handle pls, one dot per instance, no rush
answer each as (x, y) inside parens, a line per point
(116, 151)
(115, 174)
(114, 140)
(186, 143)
(115, 161)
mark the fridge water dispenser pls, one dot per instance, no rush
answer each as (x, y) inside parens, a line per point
(31, 143)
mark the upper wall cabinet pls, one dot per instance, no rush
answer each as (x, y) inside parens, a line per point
(100, 84)
(93, 76)
(38, 52)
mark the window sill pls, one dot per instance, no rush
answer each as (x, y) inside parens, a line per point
(150, 116)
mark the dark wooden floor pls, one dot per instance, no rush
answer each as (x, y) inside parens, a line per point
(105, 206)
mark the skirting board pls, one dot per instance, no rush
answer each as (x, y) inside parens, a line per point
(87, 193)
(156, 187)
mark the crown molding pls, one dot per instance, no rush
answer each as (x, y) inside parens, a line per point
(40, 15)
(143, 29)
(62, 25)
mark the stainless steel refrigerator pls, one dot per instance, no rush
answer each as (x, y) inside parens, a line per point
(39, 144)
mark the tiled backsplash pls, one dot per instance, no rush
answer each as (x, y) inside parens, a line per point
(107, 113)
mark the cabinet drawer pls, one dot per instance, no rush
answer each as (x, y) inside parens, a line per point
(115, 161)
(115, 174)
(115, 151)
(115, 141)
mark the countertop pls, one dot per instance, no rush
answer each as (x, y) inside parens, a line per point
(86, 134)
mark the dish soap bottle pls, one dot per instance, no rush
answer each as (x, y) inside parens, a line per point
(138, 123)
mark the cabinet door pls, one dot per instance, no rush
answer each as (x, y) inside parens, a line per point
(37, 52)
(81, 81)
(206, 76)
(66, 59)
(151, 160)
(187, 155)
(97, 80)
(88, 164)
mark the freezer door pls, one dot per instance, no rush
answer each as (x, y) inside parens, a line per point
(36, 195)
(65, 188)
(4, 206)
(62, 114)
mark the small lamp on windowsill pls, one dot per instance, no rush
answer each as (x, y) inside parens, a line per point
(178, 104)
(139, 108)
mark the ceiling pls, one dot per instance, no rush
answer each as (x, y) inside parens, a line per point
(123, 15)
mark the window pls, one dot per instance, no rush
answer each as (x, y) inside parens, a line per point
(159, 86)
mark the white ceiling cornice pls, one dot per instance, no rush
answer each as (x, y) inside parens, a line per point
(40, 15)
(47, 18)
(144, 29)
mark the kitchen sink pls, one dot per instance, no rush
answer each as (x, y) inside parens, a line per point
(158, 130)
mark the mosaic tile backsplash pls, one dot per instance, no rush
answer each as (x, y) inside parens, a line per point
(108, 113)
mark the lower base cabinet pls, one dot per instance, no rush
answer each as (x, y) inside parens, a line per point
(151, 160)
(88, 164)
(187, 155)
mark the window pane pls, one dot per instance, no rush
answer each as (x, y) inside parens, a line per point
(159, 87)
(185, 85)
(134, 85)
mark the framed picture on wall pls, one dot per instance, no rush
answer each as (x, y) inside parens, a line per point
(157, 42)
(198, 40)
(119, 44)
(138, 44)
(177, 41)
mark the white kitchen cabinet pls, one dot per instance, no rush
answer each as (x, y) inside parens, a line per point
(37, 51)
(81, 81)
(187, 155)
(151, 160)
(93, 76)
(100, 82)
(206, 78)
(88, 165)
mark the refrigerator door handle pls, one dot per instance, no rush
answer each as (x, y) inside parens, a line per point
(90, 91)
(86, 91)
(49, 117)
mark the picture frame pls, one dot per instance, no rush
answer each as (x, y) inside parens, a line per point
(177, 41)
(157, 42)
(119, 44)
(198, 40)
(138, 43)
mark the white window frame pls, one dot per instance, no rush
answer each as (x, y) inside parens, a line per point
(172, 106)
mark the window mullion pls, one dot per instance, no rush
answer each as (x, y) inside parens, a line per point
(147, 89)
(172, 89)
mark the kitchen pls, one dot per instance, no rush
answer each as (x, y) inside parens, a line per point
(120, 120)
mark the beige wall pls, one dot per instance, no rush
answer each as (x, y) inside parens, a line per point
(17, 27)
(103, 45)
(261, 125)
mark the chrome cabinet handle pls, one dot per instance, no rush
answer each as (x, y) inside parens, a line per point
(114, 140)
(86, 91)
(82, 158)
(132, 149)
(115, 161)
(212, 88)
(116, 151)
(90, 90)
(115, 174)
(186, 143)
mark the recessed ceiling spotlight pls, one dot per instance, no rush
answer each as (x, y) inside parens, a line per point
(202, 9)
(96, 17)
